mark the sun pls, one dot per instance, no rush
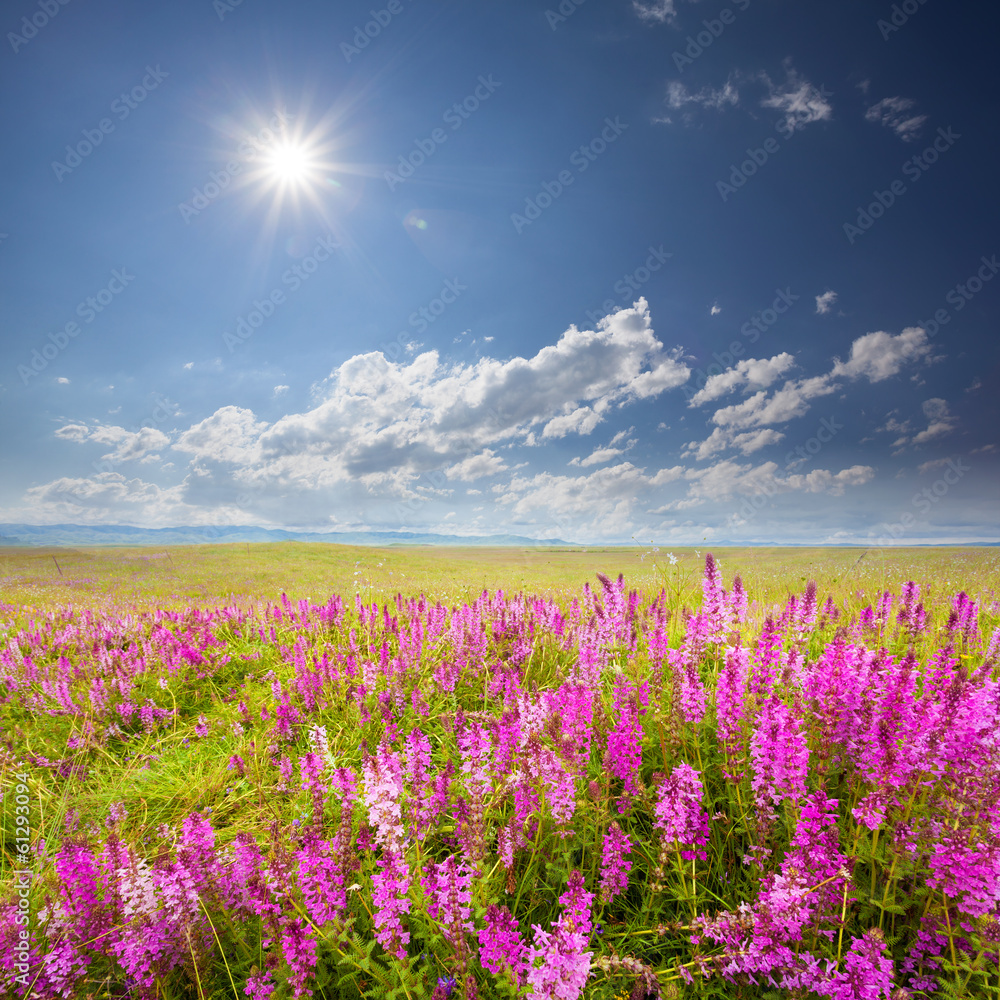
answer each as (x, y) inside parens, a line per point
(289, 164)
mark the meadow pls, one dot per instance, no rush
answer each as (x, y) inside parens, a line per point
(287, 770)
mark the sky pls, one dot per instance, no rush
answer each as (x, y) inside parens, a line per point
(608, 271)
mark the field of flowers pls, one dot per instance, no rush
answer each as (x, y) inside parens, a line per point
(623, 794)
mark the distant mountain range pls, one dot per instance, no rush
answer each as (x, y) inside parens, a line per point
(120, 534)
(41, 535)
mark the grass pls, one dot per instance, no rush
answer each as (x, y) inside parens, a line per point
(211, 575)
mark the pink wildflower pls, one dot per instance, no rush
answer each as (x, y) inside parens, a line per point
(391, 884)
(614, 867)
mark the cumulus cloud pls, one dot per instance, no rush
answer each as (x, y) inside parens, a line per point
(73, 432)
(940, 423)
(618, 445)
(385, 422)
(874, 356)
(129, 445)
(751, 373)
(477, 467)
(724, 439)
(824, 302)
(727, 479)
(786, 403)
(109, 498)
(616, 495)
(607, 499)
(381, 425)
(230, 435)
(895, 113)
(878, 356)
(597, 457)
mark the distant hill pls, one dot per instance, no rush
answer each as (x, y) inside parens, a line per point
(120, 534)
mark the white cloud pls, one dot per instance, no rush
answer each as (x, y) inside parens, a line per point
(382, 424)
(723, 439)
(129, 445)
(798, 100)
(611, 498)
(894, 426)
(715, 310)
(580, 421)
(727, 479)
(73, 432)
(894, 113)
(477, 467)
(655, 11)
(750, 373)
(607, 499)
(824, 481)
(788, 402)
(935, 463)
(941, 422)
(230, 435)
(189, 365)
(62, 380)
(280, 390)
(708, 97)
(880, 355)
(597, 457)
(875, 356)
(106, 497)
(825, 302)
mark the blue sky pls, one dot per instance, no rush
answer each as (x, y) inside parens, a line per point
(602, 271)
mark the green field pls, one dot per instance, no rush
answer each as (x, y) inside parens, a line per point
(164, 710)
(209, 575)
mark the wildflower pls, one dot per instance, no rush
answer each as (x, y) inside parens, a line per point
(116, 813)
(679, 812)
(868, 973)
(614, 868)
(259, 986)
(383, 795)
(780, 755)
(501, 949)
(450, 899)
(391, 883)
(624, 747)
(729, 698)
(565, 965)
(299, 949)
